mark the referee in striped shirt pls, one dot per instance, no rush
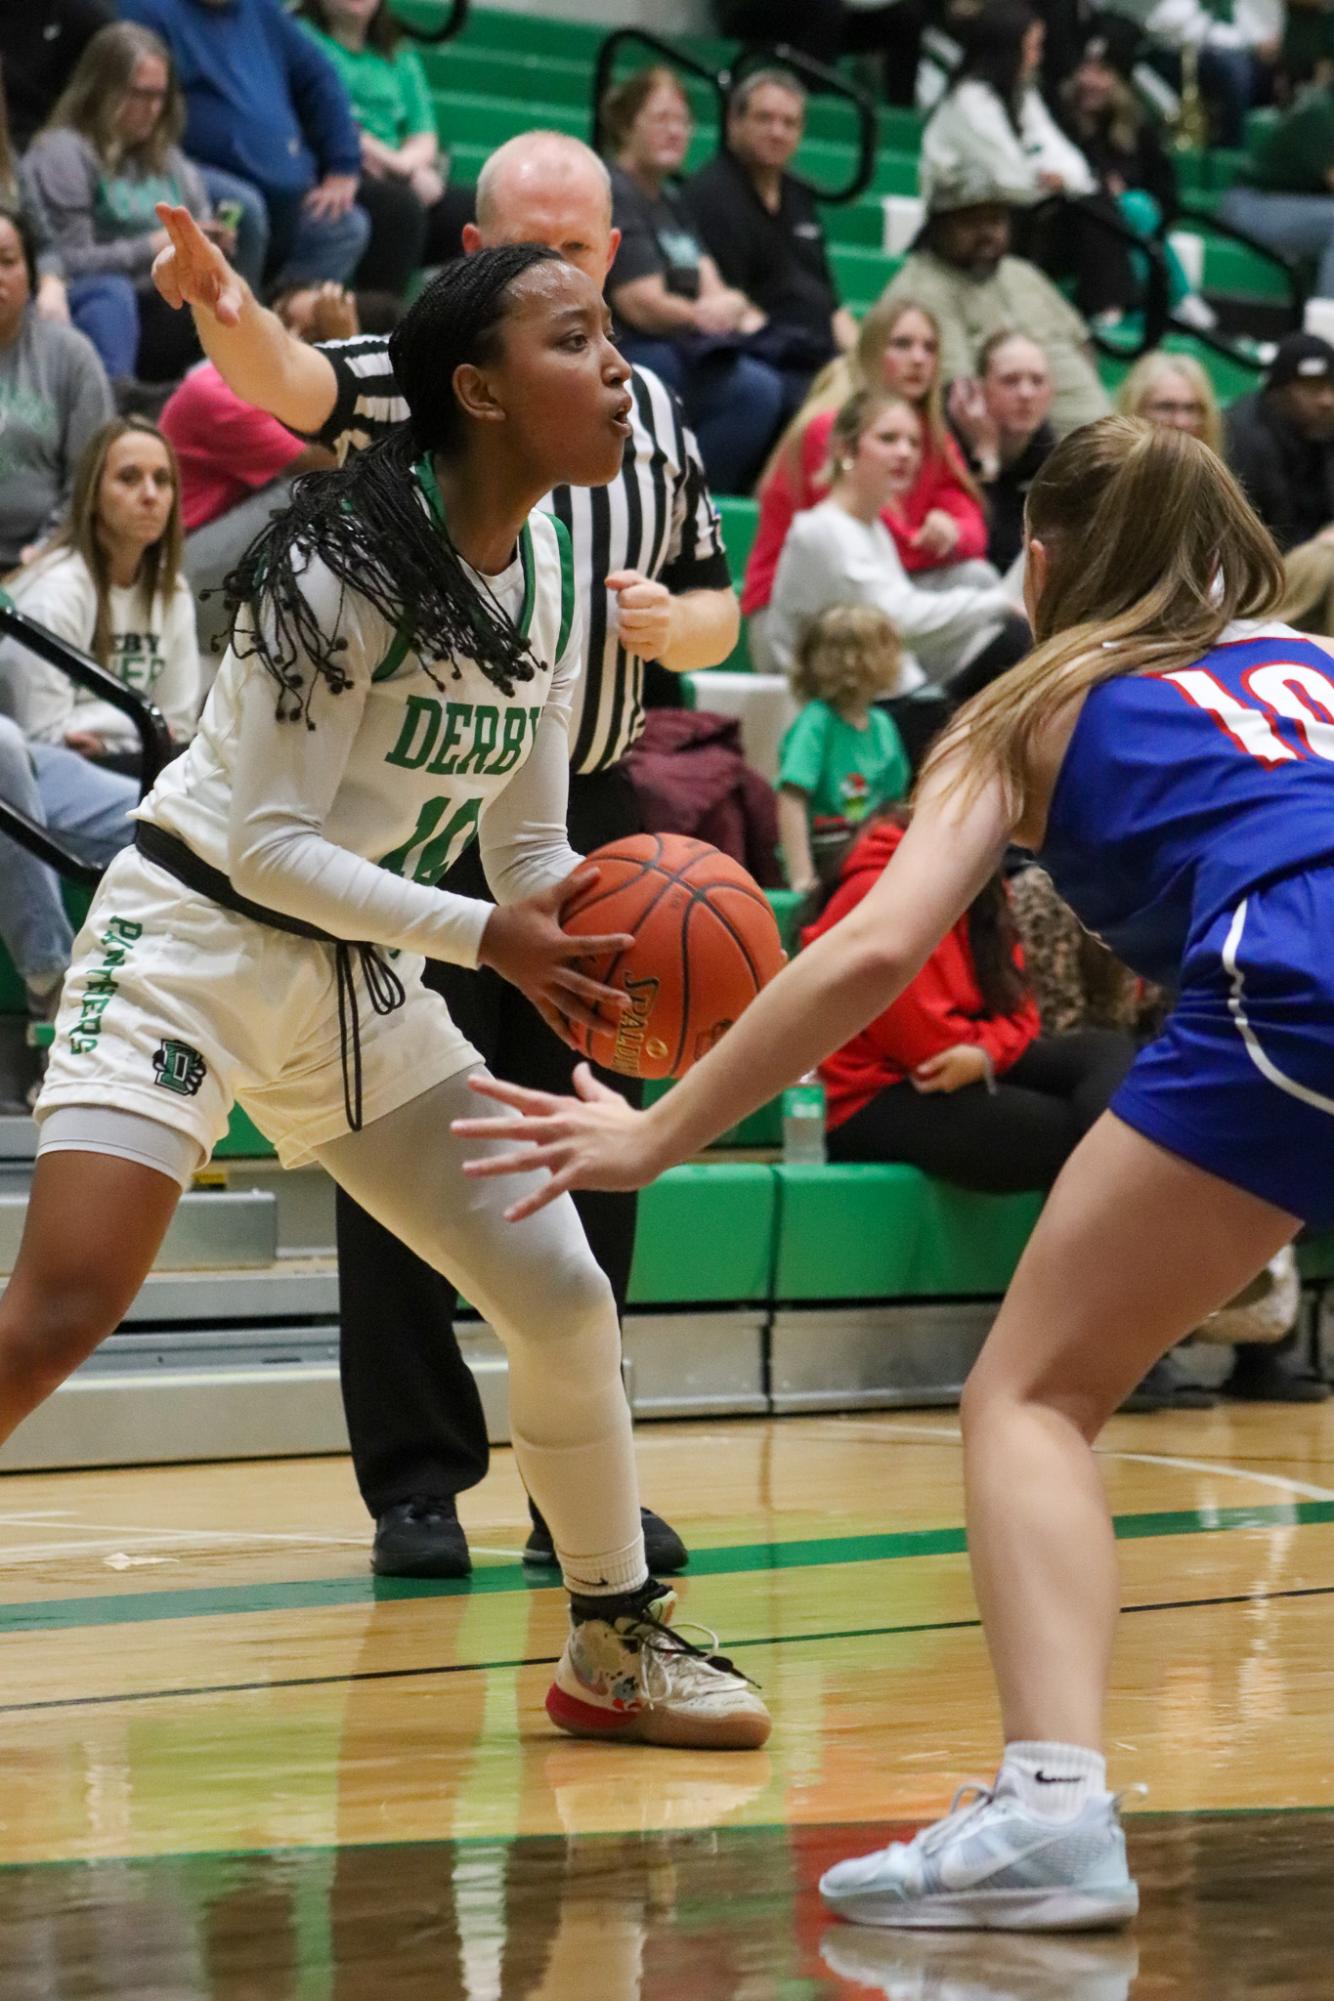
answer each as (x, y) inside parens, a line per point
(655, 584)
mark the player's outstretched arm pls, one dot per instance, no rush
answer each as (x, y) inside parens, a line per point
(814, 1006)
(248, 345)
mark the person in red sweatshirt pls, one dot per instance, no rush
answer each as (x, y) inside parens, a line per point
(956, 1077)
(941, 526)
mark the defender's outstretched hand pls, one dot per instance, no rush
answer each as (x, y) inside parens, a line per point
(191, 271)
(593, 1141)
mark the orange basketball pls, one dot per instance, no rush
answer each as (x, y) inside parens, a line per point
(706, 941)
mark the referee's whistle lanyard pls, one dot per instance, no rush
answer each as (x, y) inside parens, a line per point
(386, 990)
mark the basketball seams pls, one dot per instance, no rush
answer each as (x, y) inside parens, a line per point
(683, 985)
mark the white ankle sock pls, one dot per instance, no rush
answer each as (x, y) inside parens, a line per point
(612, 1574)
(1055, 1781)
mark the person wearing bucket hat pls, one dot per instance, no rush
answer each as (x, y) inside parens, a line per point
(961, 270)
(1280, 441)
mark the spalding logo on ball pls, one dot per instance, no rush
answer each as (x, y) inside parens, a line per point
(706, 941)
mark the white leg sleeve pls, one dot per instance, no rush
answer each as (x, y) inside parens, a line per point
(538, 1286)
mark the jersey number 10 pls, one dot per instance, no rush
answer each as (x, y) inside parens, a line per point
(1281, 690)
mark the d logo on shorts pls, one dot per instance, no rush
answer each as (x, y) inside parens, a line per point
(179, 1068)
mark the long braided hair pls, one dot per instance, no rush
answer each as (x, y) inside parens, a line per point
(367, 524)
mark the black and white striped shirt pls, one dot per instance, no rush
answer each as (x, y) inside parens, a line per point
(658, 518)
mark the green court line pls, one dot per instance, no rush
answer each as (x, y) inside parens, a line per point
(322, 1593)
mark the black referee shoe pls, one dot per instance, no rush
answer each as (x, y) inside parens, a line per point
(421, 1537)
(664, 1551)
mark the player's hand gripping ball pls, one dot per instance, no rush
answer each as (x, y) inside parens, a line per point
(706, 941)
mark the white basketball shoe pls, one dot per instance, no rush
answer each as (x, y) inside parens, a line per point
(992, 1865)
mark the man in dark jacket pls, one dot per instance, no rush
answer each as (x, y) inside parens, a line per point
(1280, 441)
(762, 226)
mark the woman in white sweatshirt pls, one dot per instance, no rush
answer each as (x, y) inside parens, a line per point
(111, 584)
(993, 123)
(842, 553)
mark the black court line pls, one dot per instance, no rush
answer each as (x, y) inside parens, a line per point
(549, 1660)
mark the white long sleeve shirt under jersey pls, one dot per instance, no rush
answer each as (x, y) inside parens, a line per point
(351, 824)
(831, 558)
(154, 650)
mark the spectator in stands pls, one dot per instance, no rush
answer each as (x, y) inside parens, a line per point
(416, 218)
(762, 226)
(1109, 122)
(1232, 52)
(1104, 115)
(107, 157)
(1280, 441)
(1285, 196)
(679, 318)
(842, 758)
(956, 1077)
(111, 584)
(840, 552)
(40, 43)
(53, 396)
(993, 122)
(1173, 389)
(1001, 416)
(271, 126)
(87, 810)
(961, 269)
(238, 463)
(939, 527)
(1308, 602)
(103, 307)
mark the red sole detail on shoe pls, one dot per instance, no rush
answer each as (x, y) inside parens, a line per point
(585, 1719)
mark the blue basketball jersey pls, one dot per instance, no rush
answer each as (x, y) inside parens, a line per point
(1181, 792)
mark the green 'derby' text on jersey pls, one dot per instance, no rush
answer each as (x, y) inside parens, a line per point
(403, 766)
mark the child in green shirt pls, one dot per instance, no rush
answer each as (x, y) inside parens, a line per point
(843, 758)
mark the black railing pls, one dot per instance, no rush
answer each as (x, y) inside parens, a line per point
(410, 16)
(604, 71)
(151, 729)
(1146, 251)
(1207, 222)
(819, 80)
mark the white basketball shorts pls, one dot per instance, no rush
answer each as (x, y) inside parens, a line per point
(176, 1009)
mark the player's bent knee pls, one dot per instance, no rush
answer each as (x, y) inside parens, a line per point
(578, 1306)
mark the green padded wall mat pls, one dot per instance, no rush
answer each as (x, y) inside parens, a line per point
(892, 1232)
(706, 1234)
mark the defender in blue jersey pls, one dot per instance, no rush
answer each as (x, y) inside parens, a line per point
(1170, 755)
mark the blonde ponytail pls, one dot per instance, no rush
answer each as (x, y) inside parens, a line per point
(1152, 551)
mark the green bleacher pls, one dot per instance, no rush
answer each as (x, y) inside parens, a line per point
(510, 72)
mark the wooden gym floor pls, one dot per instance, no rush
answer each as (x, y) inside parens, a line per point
(232, 1768)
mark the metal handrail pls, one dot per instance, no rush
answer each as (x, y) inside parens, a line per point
(1155, 307)
(454, 23)
(1205, 219)
(149, 724)
(823, 82)
(605, 67)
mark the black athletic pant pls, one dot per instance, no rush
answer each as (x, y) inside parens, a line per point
(414, 1416)
(1019, 1136)
(405, 235)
